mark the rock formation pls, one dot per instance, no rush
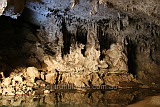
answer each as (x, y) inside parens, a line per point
(85, 44)
(138, 8)
(3, 5)
(116, 58)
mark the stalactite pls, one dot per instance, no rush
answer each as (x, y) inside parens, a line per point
(92, 40)
(74, 2)
(110, 24)
(125, 21)
(94, 4)
(118, 25)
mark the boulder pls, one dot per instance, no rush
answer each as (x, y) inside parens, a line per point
(1, 90)
(6, 81)
(33, 72)
(46, 92)
(8, 91)
(40, 83)
(51, 77)
(18, 78)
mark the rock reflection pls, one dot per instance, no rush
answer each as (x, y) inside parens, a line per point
(112, 98)
(153, 101)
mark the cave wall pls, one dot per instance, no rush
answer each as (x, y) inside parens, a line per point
(142, 37)
(148, 10)
(63, 27)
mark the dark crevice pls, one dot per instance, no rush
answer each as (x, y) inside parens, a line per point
(12, 39)
(132, 66)
(66, 38)
(58, 77)
(104, 41)
(81, 38)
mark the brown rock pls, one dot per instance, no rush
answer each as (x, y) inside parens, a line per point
(79, 83)
(96, 80)
(46, 91)
(51, 77)
(114, 79)
(18, 78)
(116, 58)
(40, 83)
(16, 102)
(33, 72)
(6, 81)
(42, 75)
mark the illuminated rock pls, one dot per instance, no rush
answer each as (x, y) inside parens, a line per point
(3, 5)
(116, 58)
(18, 79)
(6, 81)
(51, 77)
(32, 73)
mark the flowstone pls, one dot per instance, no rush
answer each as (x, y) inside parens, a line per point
(116, 58)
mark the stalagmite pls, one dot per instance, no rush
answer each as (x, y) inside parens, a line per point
(116, 59)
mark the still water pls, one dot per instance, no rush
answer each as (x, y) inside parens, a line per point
(98, 98)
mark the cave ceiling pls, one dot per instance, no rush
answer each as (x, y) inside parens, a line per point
(144, 9)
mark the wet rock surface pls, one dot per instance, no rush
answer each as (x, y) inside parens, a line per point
(112, 98)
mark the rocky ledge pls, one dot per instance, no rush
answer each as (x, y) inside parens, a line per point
(31, 81)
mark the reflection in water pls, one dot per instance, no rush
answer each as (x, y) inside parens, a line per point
(153, 101)
(112, 98)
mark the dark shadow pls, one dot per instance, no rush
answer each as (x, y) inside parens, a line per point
(105, 40)
(12, 39)
(132, 66)
(67, 38)
(81, 38)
